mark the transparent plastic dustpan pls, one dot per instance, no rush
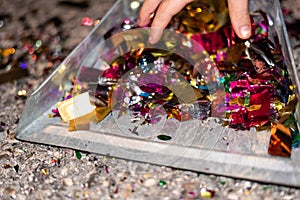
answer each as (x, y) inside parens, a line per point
(206, 146)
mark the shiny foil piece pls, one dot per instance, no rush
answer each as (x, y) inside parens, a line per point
(201, 16)
(280, 141)
(75, 107)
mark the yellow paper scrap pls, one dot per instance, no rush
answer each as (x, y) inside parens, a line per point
(75, 107)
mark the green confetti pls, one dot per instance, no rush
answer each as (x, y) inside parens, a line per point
(247, 100)
(297, 138)
(78, 155)
(162, 183)
(38, 43)
(222, 182)
(164, 137)
(266, 187)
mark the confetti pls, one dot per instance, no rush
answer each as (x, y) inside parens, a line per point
(106, 169)
(45, 171)
(28, 56)
(280, 142)
(78, 155)
(164, 137)
(17, 167)
(162, 183)
(258, 91)
(75, 107)
(2, 126)
(223, 183)
(86, 21)
(204, 192)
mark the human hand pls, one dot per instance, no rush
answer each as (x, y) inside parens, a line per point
(166, 9)
(239, 17)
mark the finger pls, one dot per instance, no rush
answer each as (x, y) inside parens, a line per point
(167, 9)
(149, 7)
(239, 17)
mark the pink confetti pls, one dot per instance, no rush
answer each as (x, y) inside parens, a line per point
(86, 21)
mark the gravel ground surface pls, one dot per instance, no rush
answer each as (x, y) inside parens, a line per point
(31, 171)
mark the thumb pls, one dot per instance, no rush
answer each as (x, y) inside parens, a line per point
(239, 17)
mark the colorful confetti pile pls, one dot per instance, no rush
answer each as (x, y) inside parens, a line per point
(258, 89)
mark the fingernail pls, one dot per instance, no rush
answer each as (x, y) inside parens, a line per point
(152, 39)
(245, 31)
(155, 35)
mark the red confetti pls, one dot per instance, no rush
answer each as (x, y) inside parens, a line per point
(86, 21)
(106, 169)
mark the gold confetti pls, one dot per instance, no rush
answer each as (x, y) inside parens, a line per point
(75, 107)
